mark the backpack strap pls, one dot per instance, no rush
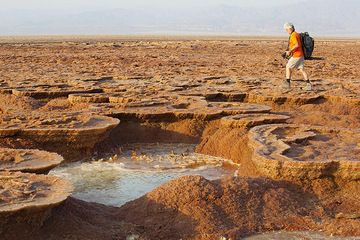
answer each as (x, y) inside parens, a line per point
(288, 48)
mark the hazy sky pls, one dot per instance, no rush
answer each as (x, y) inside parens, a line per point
(247, 17)
(105, 4)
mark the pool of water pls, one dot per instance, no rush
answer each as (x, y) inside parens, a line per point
(138, 169)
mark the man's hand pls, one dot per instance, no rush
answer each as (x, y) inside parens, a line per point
(288, 53)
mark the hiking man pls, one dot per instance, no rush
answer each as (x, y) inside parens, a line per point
(296, 58)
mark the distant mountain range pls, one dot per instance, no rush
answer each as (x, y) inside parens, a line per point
(319, 17)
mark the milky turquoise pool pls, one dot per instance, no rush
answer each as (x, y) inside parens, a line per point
(138, 169)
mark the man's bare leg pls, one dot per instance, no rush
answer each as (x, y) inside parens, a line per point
(306, 76)
(308, 86)
(288, 73)
(286, 84)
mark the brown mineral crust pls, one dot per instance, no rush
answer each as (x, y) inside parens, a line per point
(52, 92)
(188, 102)
(24, 190)
(88, 98)
(26, 200)
(12, 104)
(144, 59)
(327, 114)
(280, 98)
(70, 134)
(174, 108)
(240, 108)
(142, 114)
(348, 100)
(145, 101)
(226, 64)
(178, 122)
(122, 99)
(251, 120)
(183, 108)
(228, 138)
(63, 105)
(295, 152)
(28, 160)
(267, 91)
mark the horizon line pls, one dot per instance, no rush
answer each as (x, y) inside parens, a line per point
(164, 36)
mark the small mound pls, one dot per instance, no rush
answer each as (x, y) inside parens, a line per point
(76, 219)
(195, 208)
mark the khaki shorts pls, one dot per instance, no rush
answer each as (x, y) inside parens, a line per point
(298, 63)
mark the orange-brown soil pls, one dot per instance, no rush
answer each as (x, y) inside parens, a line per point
(297, 151)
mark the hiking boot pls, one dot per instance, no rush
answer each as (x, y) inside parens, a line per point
(286, 85)
(308, 87)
